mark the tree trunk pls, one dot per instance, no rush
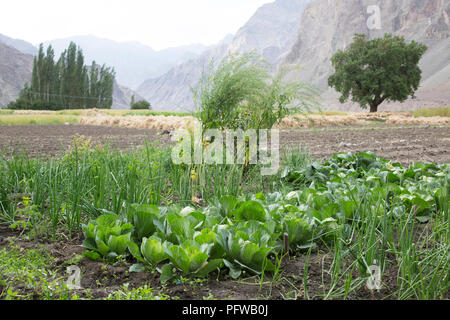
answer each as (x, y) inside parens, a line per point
(373, 108)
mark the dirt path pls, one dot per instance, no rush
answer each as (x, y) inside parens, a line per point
(399, 144)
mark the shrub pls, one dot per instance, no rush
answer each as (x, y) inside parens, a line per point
(242, 93)
(139, 105)
(378, 70)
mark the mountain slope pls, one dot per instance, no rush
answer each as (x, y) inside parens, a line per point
(133, 61)
(15, 71)
(21, 45)
(329, 25)
(271, 31)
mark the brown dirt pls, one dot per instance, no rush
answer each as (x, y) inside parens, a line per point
(51, 140)
(397, 143)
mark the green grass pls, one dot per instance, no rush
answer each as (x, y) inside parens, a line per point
(432, 112)
(26, 274)
(38, 119)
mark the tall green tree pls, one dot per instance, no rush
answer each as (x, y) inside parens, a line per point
(378, 70)
(66, 84)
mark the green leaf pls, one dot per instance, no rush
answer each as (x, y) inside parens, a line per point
(92, 255)
(119, 244)
(166, 273)
(228, 204)
(423, 219)
(90, 243)
(107, 220)
(210, 266)
(250, 210)
(153, 251)
(134, 250)
(247, 252)
(298, 230)
(179, 258)
(180, 226)
(205, 236)
(235, 272)
(137, 267)
(101, 246)
(143, 220)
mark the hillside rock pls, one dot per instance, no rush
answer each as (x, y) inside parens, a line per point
(21, 45)
(122, 96)
(15, 70)
(329, 25)
(270, 31)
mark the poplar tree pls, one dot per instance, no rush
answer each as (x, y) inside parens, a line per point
(66, 84)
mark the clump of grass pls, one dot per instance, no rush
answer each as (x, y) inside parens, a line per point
(432, 112)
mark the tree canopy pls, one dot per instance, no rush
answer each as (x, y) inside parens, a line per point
(67, 83)
(378, 70)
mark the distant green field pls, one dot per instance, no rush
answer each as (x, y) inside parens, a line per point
(39, 119)
(432, 112)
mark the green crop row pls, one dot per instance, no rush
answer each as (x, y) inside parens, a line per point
(362, 205)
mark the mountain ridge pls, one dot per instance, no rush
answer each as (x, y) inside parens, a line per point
(323, 27)
(133, 61)
(268, 34)
(21, 45)
(328, 21)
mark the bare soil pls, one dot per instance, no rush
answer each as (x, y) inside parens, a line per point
(404, 144)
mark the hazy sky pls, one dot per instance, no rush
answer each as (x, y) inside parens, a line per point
(157, 23)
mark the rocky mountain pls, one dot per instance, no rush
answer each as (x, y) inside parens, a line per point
(308, 33)
(16, 68)
(271, 31)
(18, 44)
(133, 61)
(15, 71)
(329, 25)
(122, 96)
